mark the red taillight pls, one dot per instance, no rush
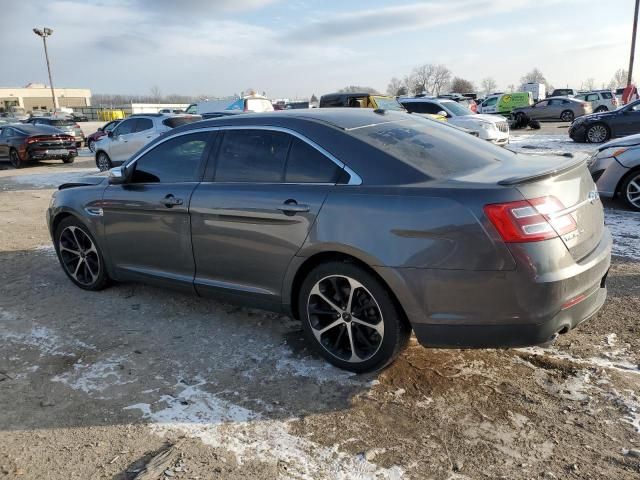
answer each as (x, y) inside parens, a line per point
(531, 220)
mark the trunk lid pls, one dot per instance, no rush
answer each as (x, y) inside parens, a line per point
(567, 179)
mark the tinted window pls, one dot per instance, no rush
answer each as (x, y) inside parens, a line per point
(307, 165)
(174, 122)
(490, 102)
(434, 149)
(143, 124)
(60, 123)
(252, 156)
(125, 127)
(556, 101)
(176, 160)
(422, 107)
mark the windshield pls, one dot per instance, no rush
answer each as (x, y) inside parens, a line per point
(193, 108)
(457, 109)
(388, 104)
(437, 150)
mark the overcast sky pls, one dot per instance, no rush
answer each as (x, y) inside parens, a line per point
(299, 47)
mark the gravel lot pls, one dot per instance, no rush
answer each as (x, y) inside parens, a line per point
(93, 385)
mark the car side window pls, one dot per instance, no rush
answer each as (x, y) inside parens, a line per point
(125, 127)
(593, 97)
(110, 127)
(606, 95)
(490, 102)
(237, 105)
(544, 103)
(175, 161)
(252, 156)
(143, 124)
(307, 165)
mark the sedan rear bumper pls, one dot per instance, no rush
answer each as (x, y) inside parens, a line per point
(51, 153)
(488, 309)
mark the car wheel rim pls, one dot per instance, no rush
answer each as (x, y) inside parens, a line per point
(92, 147)
(15, 160)
(597, 134)
(345, 318)
(103, 163)
(79, 255)
(566, 116)
(633, 191)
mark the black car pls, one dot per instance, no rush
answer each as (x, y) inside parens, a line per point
(79, 117)
(20, 143)
(64, 124)
(600, 127)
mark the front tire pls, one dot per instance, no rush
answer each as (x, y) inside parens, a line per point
(350, 317)
(14, 158)
(68, 159)
(103, 162)
(601, 109)
(597, 133)
(79, 255)
(92, 146)
(630, 190)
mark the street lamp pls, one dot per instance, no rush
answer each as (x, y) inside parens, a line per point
(44, 33)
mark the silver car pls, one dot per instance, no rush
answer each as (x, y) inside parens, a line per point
(554, 109)
(615, 168)
(134, 133)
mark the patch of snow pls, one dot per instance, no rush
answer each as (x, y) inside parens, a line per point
(198, 413)
(625, 229)
(52, 180)
(47, 249)
(547, 144)
(95, 377)
(39, 337)
(312, 367)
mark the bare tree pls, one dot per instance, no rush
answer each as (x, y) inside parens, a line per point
(589, 84)
(395, 84)
(358, 89)
(619, 79)
(156, 93)
(489, 85)
(421, 78)
(534, 76)
(511, 88)
(460, 85)
(441, 79)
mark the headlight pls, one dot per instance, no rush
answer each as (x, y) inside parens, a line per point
(611, 152)
(488, 125)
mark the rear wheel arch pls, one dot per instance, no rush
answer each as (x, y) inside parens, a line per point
(334, 256)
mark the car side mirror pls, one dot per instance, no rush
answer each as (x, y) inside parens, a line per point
(117, 175)
(443, 113)
(110, 134)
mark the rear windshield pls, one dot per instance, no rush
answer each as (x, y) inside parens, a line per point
(61, 123)
(174, 122)
(437, 150)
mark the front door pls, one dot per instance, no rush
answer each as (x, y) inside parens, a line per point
(627, 122)
(146, 220)
(252, 218)
(119, 148)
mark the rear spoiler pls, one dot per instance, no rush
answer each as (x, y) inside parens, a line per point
(563, 167)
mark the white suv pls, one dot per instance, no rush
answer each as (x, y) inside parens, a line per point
(600, 100)
(134, 133)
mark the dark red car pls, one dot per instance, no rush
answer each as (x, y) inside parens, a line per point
(21, 143)
(101, 132)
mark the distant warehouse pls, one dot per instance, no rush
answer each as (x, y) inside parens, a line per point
(37, 96)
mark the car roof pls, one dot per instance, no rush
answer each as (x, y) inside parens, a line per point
(342, 118)
(425, 99)
(30, 129)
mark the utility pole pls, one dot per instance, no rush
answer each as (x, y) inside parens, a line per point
(44, 33)
(633, 43)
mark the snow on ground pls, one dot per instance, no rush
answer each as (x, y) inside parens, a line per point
(52, 179)
(547, 144)
(217, 422)
(625, 229)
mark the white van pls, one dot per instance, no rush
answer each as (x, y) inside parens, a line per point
(538, 90)
(252, 103)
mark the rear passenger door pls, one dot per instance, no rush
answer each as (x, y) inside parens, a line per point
(254, 213)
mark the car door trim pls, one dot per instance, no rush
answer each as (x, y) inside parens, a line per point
(354, 179)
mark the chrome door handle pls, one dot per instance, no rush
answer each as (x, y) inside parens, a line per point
(170, 201)
(291, 207)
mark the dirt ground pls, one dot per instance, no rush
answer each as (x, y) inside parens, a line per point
(93, 385)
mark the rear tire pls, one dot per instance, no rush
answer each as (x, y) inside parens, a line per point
(80, 255)
(14, 158)
(567, 116)
(350, 317)
(601, 109)
(630, 190)
(103, 162)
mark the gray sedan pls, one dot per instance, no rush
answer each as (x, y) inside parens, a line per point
(554, 109)
(615, 168)
(363, 224)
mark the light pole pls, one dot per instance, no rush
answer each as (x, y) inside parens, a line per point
(44, 33)
(633, 43)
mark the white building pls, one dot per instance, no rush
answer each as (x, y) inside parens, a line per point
(37, 96)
